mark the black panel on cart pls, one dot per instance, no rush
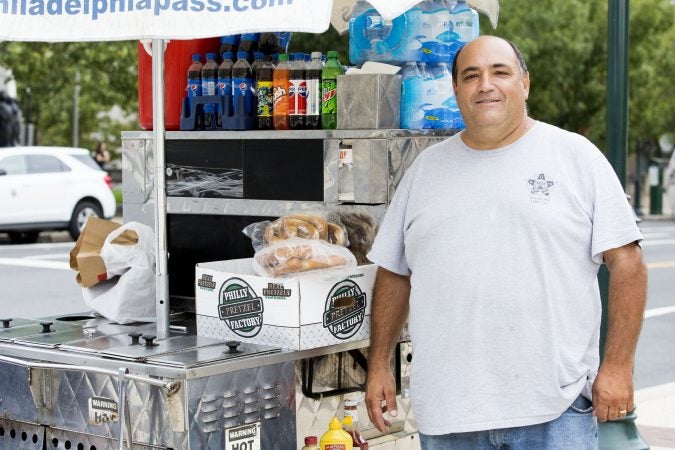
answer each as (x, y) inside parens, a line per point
(194, 238)
(286, 169)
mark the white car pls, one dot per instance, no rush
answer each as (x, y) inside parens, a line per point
(51, 188)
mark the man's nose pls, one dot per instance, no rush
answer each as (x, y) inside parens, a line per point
(485, 83)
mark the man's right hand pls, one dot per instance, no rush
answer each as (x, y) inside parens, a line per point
(381, 386)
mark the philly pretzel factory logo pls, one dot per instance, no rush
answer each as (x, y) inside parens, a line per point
(345, 309)
(240, 308)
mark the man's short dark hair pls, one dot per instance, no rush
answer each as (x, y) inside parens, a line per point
(519, 57)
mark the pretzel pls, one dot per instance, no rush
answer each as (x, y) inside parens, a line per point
(317, 222)
(286, 228)
(336, 234)
(293, 265)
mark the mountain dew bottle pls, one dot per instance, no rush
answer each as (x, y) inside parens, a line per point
(329, 74)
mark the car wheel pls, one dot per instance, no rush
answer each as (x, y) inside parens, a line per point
(83, 211)
(23, 237)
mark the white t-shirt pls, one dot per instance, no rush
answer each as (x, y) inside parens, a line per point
(503, 249)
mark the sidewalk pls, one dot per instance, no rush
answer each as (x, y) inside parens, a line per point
(656, 415)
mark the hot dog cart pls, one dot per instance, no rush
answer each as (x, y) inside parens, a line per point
(82, 382)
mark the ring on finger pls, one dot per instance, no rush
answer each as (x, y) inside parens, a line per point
(623, 411)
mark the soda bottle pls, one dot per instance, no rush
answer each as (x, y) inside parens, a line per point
(225, 75)
(242, 85)
(194, 79)
(255, 65)
(313, 77)
(297, 99)
(209, 87)
(329, 74)
(281, 85)
(229, 43)
(248, 42)
(265, 100)
(351, 424)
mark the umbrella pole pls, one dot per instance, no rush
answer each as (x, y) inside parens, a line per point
(161, 271)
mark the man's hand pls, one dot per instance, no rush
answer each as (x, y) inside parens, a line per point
(613, 393)
(381, 386)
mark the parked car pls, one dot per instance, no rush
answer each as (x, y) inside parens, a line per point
(51, 188)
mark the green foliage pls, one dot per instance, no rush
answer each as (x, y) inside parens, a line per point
(330, 40)
(108, 77)
(565, 45)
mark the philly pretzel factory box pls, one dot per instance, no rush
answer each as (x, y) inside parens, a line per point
(309, 310)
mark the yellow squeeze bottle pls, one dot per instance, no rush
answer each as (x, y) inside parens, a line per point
(336, 438)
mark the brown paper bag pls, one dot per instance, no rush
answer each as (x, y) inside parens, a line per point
(85, 257)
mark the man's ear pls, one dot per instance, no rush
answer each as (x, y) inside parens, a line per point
(526, 84)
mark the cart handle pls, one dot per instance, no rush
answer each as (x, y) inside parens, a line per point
(170, 386)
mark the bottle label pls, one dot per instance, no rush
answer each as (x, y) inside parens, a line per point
(328, 96)
(242, 87)
(280, 95)
(209, 88)
(264, 99)
(297, 98)
(224, 86)
(334, 447)
(313, 97)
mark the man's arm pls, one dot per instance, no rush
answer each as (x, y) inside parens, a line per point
(389, 312)
(613, 387)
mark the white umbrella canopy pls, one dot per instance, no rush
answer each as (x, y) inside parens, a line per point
(110, 20)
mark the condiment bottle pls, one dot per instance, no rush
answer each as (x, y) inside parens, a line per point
(336, 438)
(311, 443)
(358, 441)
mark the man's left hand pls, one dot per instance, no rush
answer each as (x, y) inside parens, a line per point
(613, 393)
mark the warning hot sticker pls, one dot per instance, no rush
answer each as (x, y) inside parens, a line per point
(244, 437)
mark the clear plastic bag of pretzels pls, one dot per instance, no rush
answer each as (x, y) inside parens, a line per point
(325, 226)
(300, 255)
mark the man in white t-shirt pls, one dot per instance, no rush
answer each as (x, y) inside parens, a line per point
(490, 250)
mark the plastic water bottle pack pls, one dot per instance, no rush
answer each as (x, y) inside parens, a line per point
(427, 97)
(430, 32)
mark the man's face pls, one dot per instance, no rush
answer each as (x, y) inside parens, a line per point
(491, 90)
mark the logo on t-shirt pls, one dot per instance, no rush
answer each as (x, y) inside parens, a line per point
(540, 188)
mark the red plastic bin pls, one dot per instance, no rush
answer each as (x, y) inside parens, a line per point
(177, 59)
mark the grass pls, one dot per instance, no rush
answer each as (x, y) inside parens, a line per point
(118, 196)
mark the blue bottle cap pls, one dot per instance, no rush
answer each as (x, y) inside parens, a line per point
(210, 56)
(197, 57)
(299, 56)
(242, 55)
(258, 55)
(227, 55)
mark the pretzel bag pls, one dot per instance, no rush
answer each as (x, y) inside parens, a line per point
(314, 226)
(296, 255)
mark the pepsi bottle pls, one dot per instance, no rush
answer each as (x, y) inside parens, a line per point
(209, 87)
(242, 86)
(194, 79)
(297, 99)
(313, 81)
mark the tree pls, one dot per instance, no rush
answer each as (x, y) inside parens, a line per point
(565, 44)
(108, 78)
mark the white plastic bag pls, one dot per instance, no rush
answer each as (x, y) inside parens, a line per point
(128, 295)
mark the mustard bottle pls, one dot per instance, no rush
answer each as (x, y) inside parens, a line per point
(336, 438)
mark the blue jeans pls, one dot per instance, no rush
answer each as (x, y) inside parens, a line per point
(576, 429)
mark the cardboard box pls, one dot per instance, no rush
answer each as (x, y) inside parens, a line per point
(307, 311)
(368, 101)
